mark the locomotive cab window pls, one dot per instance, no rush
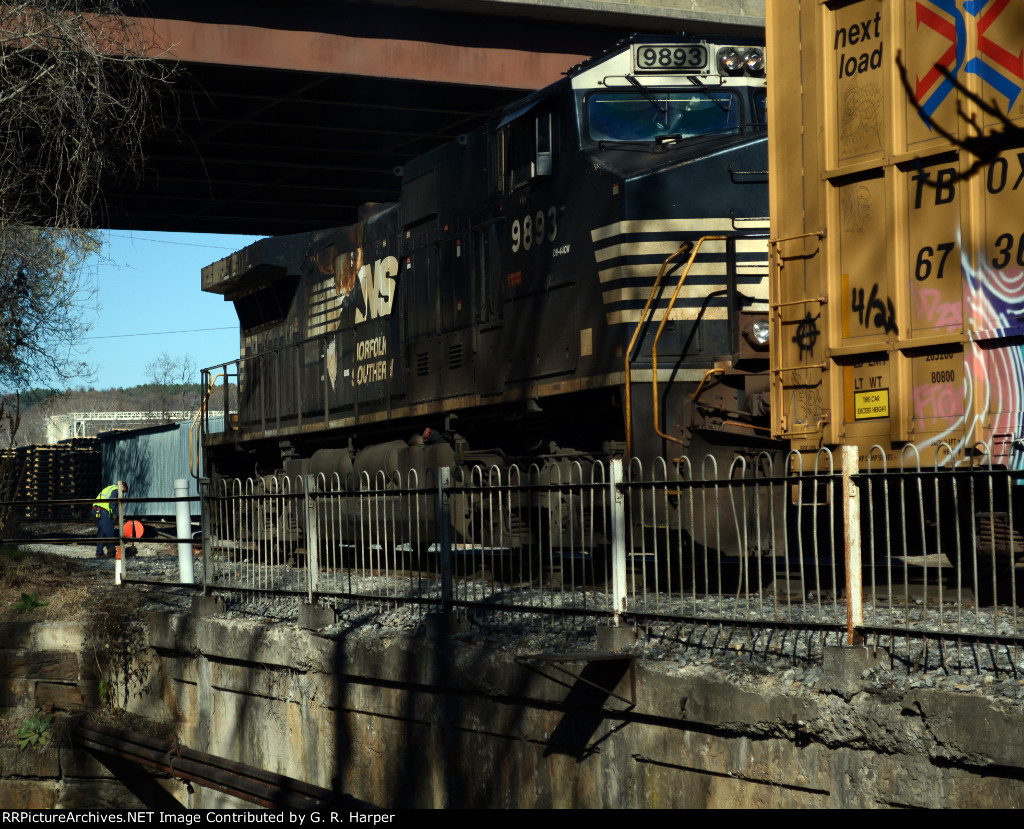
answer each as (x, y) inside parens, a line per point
(530, 149)
(649, 115)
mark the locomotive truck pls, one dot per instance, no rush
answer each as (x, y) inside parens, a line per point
(583, 276)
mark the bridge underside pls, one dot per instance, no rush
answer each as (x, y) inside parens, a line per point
(288, 124)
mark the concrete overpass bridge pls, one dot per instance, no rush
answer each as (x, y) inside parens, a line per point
(293, 114)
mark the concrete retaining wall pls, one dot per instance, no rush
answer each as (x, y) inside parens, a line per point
(436, 722)
(433, 723)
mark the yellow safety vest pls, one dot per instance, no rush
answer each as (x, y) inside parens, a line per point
(103, 499)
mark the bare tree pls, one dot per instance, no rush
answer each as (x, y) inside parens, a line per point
(79, 90)
(174, 378)
(78, 93)
(43, 305)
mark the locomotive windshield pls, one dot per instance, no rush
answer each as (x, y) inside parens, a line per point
(649, 115)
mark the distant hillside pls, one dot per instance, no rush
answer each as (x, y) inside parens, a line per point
(37, 405)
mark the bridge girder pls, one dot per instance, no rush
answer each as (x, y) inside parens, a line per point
(289, 117)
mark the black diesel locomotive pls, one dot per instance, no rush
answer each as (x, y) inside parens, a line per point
(506, 309)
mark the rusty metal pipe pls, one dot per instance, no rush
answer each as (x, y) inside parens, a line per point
(160, 760)
(245, 782)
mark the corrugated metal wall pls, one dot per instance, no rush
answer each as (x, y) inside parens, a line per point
(150, 460)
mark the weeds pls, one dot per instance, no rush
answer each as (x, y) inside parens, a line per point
(13, 569)
(34, 731)
(29, 602)
(118, 638)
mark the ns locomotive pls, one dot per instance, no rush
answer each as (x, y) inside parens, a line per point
(516, 305)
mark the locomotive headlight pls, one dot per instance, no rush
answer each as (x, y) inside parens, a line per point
(754, 61)
(755, 333)
(730, 60)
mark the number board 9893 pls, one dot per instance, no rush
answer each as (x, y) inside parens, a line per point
(664, 57)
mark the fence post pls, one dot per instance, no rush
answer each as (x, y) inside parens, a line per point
(312, 539)
(204, 517)
(852, 544)
(617, 502)
(444, 524)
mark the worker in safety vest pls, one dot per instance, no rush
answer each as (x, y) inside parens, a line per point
(103, 510)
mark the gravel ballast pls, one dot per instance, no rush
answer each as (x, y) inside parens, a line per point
(784, 657)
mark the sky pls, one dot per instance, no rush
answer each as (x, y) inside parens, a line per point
(148, 303)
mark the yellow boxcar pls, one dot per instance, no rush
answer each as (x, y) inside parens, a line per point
(896, 142)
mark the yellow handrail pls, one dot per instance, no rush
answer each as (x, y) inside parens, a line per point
(664, 322)
(704, 380)
(193, 458)
(632, 343)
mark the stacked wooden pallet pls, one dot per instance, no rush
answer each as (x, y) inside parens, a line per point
(43, 475)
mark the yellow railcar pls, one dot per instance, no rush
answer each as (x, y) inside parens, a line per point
(896, 142)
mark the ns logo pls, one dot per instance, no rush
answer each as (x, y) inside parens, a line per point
(376, 289)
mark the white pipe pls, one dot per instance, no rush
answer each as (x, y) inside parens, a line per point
(184, 520)
(119, 570)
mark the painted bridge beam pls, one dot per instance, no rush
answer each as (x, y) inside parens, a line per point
(291, 115)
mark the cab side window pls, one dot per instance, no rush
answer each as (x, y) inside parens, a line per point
(530, 148)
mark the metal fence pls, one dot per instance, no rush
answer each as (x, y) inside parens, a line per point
(922, 560)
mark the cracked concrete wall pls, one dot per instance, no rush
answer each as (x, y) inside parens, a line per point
(434, 723)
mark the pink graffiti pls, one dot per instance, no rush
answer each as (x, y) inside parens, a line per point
(929, 307)
(997, 368)
(989, 401)
(941, 400)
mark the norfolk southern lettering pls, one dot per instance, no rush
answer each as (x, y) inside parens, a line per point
(857, 61)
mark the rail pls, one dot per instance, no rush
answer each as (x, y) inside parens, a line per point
(138, 550)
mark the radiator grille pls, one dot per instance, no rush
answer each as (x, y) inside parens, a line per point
(455, 356)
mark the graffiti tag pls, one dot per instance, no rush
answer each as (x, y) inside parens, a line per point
(884, 312)
(807, 332)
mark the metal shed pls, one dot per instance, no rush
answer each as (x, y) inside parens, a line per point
(150, 460)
